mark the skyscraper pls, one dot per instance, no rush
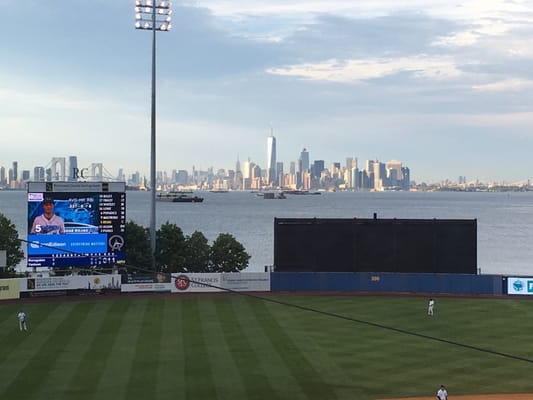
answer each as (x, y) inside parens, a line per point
(15, 171)
(72, 168)
(271, 159)
(304, 156)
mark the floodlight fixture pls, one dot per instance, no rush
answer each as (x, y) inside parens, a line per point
(153, 15)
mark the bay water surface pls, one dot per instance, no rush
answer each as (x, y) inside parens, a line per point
(504, 220)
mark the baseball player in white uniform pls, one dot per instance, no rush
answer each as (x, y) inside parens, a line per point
(431, 305)
(48, 222)
(22, 320)
(442, 393)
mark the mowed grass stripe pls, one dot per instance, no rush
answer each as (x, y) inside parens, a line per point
(249, 366)
(226, 375)
(199, 383)
(171, 373)
(310, 382)
(9, 328)
(114, 380)
(43, 361)
(144, 369)
(326, 340)
(72, 354)
(107, 322)
(277, 374)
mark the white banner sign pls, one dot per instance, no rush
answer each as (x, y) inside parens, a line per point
(205, 283)
(74, 282)
(146, 287)
(521, 285)
(246, 281)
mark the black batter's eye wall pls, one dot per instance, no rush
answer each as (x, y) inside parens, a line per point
(375, 245)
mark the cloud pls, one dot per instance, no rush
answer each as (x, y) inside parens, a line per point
(507, 85)
(352, 71)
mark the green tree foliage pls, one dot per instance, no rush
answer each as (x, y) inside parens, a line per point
(228, 255)
(197, 253)
(178, 253)
(170, 253)
(10, 242)
(138, 250)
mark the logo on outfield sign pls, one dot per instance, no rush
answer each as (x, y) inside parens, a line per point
(518, 286)
(182, 282)
(530, 286)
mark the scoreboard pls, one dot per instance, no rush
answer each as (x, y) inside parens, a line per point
(76, 224)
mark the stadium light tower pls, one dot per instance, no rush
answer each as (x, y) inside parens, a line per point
(154, 15)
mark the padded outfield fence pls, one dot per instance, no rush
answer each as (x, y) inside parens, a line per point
(452, 284)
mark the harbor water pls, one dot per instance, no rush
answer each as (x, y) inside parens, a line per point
(504, 220)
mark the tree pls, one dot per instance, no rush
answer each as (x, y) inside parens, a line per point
(9, 241)
(138, 250)
(170, 249)
(197, 253)
(228, 255)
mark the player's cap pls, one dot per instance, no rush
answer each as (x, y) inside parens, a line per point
(48, 200)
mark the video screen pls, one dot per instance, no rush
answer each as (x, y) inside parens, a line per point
(67, 228)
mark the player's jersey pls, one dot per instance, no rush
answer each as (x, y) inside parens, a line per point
(43, 225)
(21, 316)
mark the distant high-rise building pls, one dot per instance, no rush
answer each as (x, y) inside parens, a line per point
(3, 179)
(38, 174)
(182, 177)
(271, 159)
(72, 168)
(279, 171)
(25, 175)
(318, 167)
(15, 170)
(304, 156)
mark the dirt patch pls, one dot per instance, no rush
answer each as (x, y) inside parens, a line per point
(504, 396)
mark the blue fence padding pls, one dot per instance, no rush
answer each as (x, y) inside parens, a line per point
(387, 282)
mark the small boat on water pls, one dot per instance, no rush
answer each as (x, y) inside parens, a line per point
(301, 192)
(178, 197)
(271, 195)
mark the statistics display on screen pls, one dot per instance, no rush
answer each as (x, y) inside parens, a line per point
(76, 224)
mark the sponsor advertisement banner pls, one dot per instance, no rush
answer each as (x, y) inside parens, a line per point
(522, 285)
(70, 282)
(246, 281)
(201, 283)
(187, 283)
(146, 287)
(9, 289)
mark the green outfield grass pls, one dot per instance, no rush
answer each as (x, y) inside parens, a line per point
(237, 347)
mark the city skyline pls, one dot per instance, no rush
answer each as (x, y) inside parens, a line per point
(444, 86)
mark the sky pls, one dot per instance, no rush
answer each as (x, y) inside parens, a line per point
(444, 86)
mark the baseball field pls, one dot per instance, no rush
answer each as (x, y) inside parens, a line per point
(229, 346)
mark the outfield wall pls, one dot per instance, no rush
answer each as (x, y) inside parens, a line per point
(387, 282)
(364, 282)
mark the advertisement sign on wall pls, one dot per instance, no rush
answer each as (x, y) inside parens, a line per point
(9, 289)
(89, 282)
(183, 283)
(520, 285)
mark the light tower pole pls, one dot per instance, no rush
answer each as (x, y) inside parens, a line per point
(153, 15)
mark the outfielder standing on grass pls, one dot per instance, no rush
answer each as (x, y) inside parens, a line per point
(22, 320)
(431, 304)
(442, 393)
